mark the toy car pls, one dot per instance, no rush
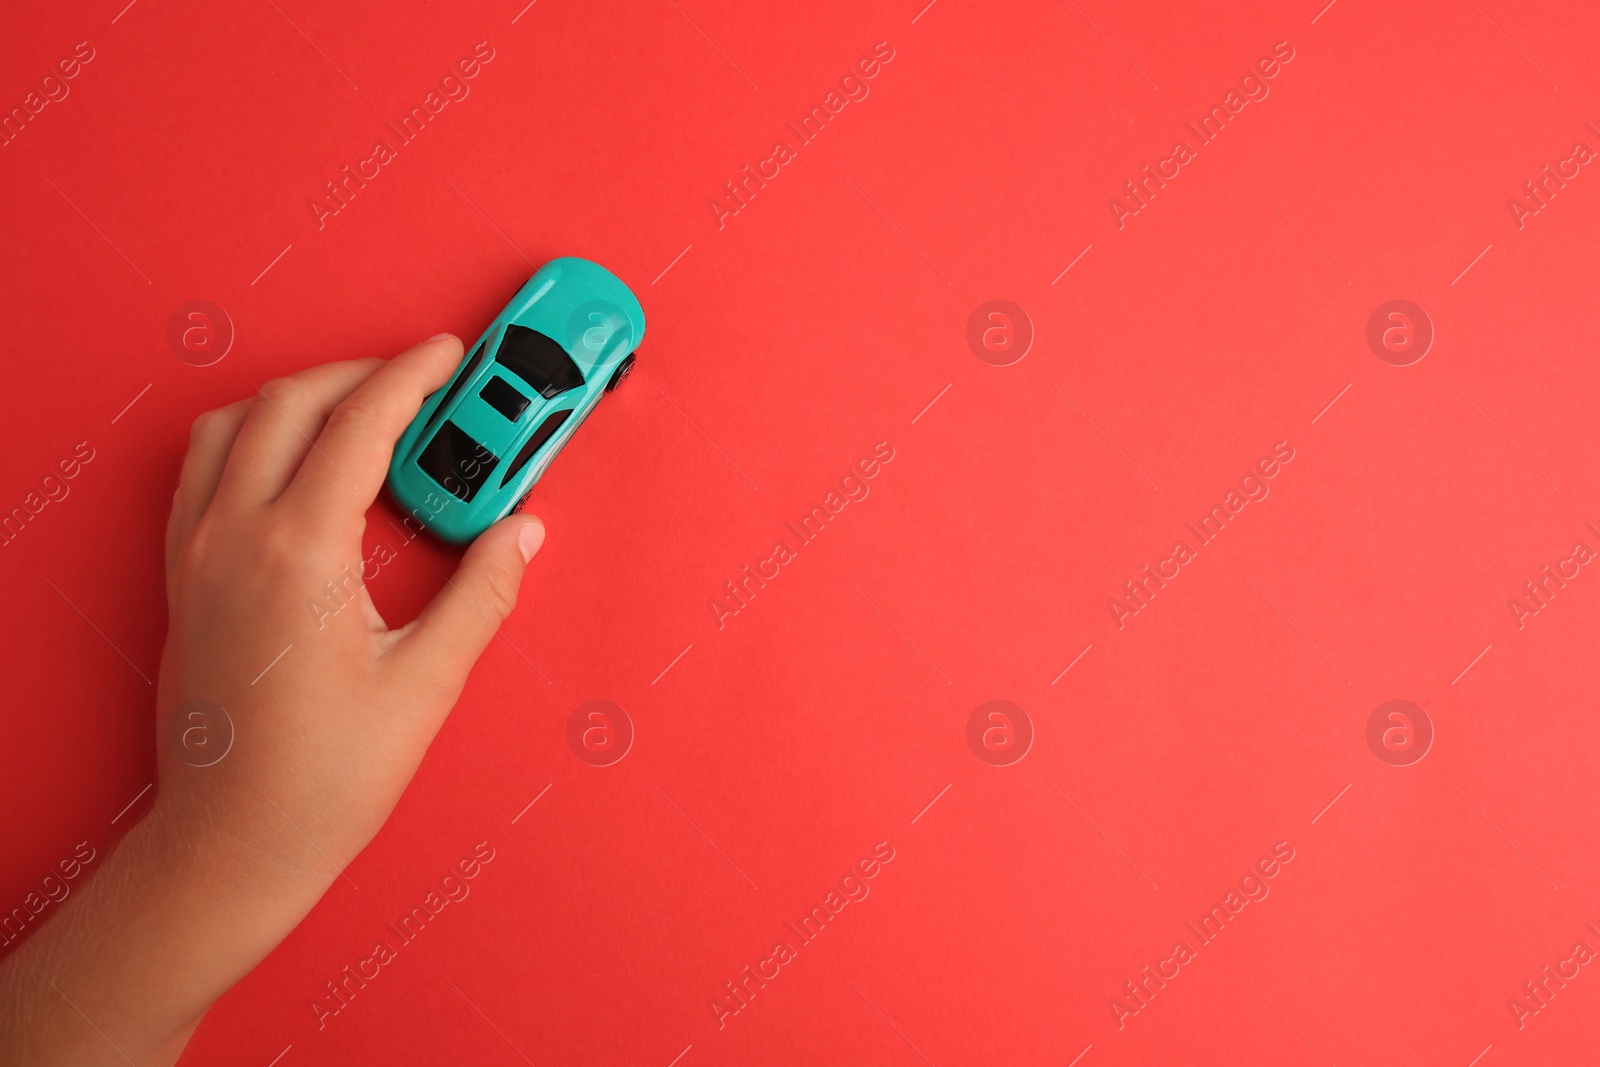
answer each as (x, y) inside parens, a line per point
(477, 446)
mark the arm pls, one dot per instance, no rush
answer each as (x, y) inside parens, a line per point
(236, 850)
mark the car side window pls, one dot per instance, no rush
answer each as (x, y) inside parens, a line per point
(461, 379)
(546, 430)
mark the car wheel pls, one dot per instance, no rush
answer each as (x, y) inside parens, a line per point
(624, 369)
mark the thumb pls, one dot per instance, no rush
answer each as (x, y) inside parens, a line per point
(453, 630)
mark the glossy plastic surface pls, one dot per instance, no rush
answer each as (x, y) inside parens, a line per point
(456, 490)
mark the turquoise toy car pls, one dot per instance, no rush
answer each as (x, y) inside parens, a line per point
(477, 446)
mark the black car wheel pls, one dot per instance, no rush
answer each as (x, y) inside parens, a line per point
(624, 369)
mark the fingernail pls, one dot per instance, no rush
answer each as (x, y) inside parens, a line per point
(529, 538)
(438, 337)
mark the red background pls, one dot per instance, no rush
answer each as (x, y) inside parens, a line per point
(823, 318)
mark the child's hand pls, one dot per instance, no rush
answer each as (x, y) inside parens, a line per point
(331, 711)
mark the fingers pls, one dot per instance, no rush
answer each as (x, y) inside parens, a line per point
(344, 471)
(278, 433)
(452, 632)
(210, 441)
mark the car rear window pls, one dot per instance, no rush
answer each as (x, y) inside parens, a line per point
(457, 462)
(539, 361)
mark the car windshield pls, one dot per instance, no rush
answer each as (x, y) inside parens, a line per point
(539, 361)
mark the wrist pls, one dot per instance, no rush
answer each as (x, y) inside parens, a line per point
(139, 950)
(252, 877)
(180, 911)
